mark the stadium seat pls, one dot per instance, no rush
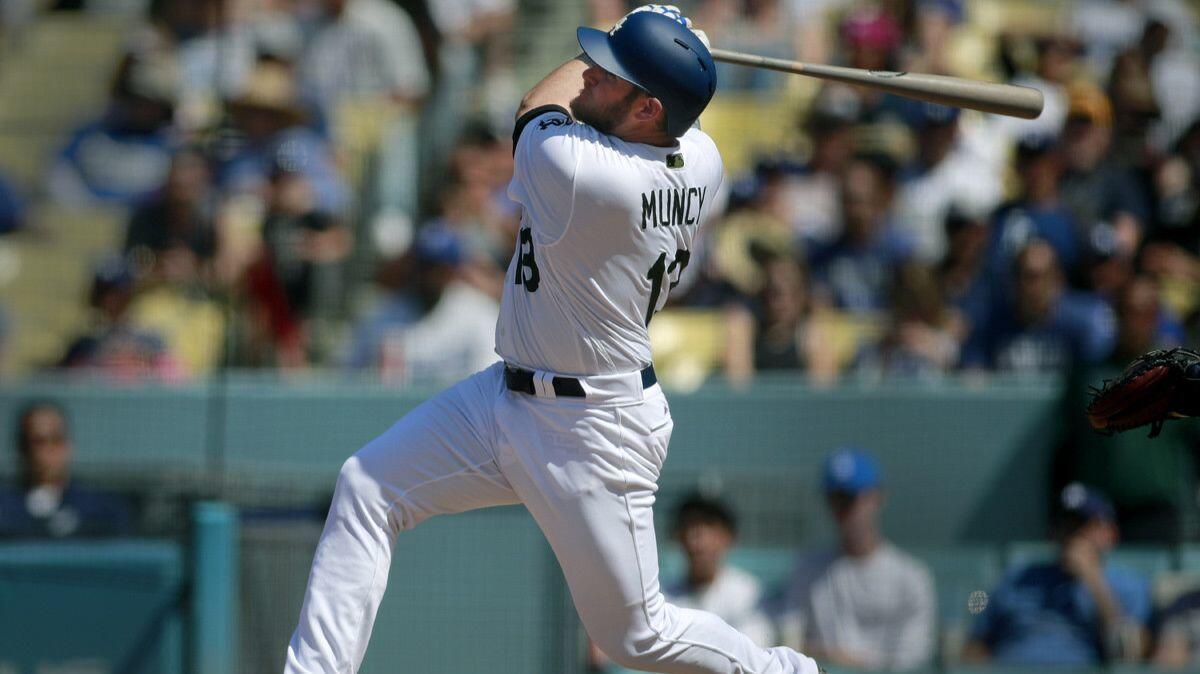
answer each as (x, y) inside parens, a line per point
(689, 345)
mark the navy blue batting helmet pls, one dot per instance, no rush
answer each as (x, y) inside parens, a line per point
(660, 56)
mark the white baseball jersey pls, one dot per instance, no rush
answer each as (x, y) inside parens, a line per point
(606, 231)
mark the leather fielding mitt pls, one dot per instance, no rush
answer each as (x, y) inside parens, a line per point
(1154, 388)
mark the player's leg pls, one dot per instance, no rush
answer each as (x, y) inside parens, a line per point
(437, 459)
(589, 479)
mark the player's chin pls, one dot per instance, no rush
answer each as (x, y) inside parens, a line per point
(597, 120)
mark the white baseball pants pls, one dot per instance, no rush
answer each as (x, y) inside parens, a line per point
(587, 472)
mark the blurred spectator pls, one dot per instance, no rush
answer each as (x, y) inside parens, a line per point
(961, 271)
(12, 208)
(1167, 47)
(1151, 481)
(297, 240)
(218, 44)
(946, 174)
(864, 603)
(1094, 186)
(365, 65)
(175, 226)
(809, 199)
(706, 530)
(115, 346)
(923, 337)
(776, 329)
(761, 26)
(270, 123)
(474, 74)
(49, 502)
(1177, 642)
(1055, 68)
(364, 48)
(444, 327)
(1075, 610)
(1039, 326)
(1038, 213)
(123, 157)
(1106, 28)
(853, 272)
(870, 38)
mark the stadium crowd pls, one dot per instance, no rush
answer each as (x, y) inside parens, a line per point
(322, 183)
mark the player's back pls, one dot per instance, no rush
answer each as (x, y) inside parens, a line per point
(606, 230)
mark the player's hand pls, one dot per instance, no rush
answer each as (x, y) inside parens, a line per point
(669, 11)
(672, 12)
(1081, 558)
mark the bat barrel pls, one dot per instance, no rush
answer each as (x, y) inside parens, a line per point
(1002, 99)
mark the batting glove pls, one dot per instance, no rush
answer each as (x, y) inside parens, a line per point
(672, 12)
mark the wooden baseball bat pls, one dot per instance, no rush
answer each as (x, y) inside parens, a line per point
(1001, 99)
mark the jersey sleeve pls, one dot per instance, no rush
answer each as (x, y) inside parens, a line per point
(547, 147)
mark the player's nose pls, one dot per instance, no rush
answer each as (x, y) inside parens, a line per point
(591, 75)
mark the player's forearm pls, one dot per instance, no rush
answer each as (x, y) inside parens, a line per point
(558, 88)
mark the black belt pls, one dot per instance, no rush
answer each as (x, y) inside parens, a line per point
(520, 380)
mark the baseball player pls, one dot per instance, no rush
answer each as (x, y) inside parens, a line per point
(614, 180)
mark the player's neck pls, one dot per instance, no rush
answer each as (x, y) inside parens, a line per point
(632, 132)
(862, 545)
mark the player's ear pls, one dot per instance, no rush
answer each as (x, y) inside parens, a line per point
(648, 109)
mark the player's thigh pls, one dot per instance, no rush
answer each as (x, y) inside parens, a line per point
(589, 478)
(440, 457)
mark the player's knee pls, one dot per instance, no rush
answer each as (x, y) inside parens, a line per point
(353, 476)
(639, 654)
(634, 646)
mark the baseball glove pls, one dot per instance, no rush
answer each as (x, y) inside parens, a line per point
(1154, 388)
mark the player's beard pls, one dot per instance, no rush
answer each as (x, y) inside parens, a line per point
(603, 118)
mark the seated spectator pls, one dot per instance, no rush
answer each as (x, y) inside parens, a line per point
(776, 328)
(364, 66)
(1095, 185)
(454, 332)
(924, 336)
(1149, 480)
(12, 208)
(947, 174)
(1039, 326)
(706, 529)
(271, 126)
(1075, 610)
(297, 240)
(854, 271)
(1038, 213)
(123, 157)
(809, 197)
(961, 277)
(176, 224)
(116, 347)
(49, 502)
(1177, 642)
(862, 603)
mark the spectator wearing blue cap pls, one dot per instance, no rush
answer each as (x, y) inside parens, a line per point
(1077, 609)
(861, 603)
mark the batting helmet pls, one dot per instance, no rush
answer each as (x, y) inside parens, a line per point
(660, 56)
